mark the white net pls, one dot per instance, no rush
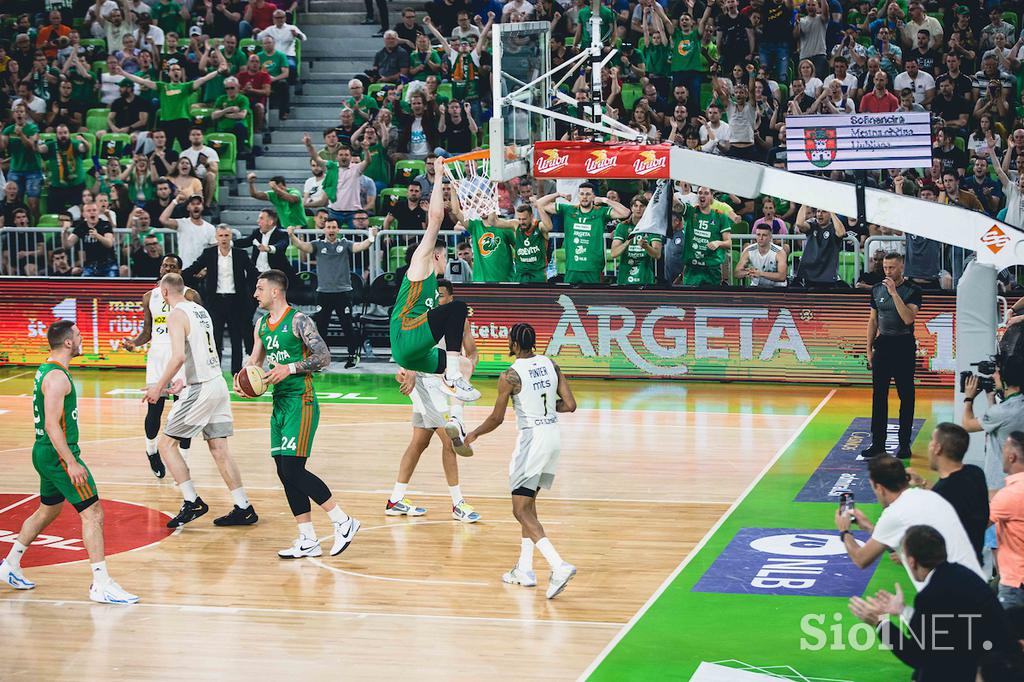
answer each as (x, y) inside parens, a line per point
(476, 192)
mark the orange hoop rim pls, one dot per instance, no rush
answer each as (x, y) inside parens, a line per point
(480, 155)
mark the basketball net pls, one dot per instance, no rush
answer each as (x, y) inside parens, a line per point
(469, 174)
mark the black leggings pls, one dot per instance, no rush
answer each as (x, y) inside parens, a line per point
(154, 411)
(300, 486)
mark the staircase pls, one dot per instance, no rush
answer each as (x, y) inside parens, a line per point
(338, 48)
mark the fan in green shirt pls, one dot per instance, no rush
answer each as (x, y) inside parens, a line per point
(273, 62)
(231, 110)
(287, 202)
(379, 168)
(708, 239)
(167, 14)
(175, 95)
(637, 252)
(364, 105)
(583, 25)
(686, 46)
(584, 225)
(420, 60)
(65, 159)
(19, 139)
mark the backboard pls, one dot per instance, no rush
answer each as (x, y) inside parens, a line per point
(521, 54)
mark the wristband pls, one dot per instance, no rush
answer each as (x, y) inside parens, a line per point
(291, 368)
(843, 534)
(969, 400)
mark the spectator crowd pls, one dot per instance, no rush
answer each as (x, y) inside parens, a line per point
(114, 111)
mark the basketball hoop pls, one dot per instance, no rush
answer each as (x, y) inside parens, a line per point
(470, 175)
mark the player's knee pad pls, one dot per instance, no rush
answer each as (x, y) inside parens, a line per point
(153, 413)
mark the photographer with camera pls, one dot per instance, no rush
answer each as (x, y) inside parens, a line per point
(1001, 418)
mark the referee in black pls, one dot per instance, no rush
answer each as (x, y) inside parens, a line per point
(892, 353)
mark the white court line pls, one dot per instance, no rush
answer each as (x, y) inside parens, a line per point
(704, 540)
(14, 376)
(18, 503)
(310, 612)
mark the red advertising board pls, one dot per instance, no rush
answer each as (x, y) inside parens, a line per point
(597, 161)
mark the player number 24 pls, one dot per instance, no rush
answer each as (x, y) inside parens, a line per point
(287, 443)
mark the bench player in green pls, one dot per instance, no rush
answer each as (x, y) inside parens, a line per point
(529, 242)
(294, 349)
(492, 239)
(62, 474)
(584, 225)
(708, 240)
(637, 252)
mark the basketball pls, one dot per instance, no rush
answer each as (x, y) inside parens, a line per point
(252, 381)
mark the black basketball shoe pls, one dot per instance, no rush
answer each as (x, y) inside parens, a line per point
(238, 517)
(190, 511)
(157, 465)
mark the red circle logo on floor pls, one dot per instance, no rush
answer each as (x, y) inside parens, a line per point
(126, 526)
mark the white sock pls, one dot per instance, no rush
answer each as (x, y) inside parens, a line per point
(337, 516)
(151, 448)
(398, 493)
(240, 498)
(307, 531)
(451, 369)
(99, 573)
(188, 490)
(185, 452)
(455, 408)
(526, 555)
(549, 552)
(456, 493)
(14, 556)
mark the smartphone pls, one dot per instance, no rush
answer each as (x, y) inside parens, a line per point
(846, 503)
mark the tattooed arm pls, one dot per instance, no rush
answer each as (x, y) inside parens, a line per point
(508, 385)
(319, 354)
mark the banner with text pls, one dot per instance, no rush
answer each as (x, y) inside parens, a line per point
(599, 161)
(737, 335)
(902, 139)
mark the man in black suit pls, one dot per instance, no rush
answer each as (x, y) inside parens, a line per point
(267, 244)
(956, 618)
(227, 288)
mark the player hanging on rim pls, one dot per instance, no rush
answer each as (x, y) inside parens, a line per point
(584, 225)
(289, 341)
(204, 407)
(62, 474)
(418, 323)
(154, 331)
(430, 415)
(538, 391)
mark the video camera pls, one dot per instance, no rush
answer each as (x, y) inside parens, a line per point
(1009, 361)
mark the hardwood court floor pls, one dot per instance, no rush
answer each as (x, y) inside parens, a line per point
(647, 469)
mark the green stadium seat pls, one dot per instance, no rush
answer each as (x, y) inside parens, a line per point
(115, 144)
(706, 93)
(783, 93)
(848, 267)
(407, 169)
(96, 119)
(1010, 18)
(631, 92)
(570, 41)
(95, 43)
(742, 227)
(396, 257)
(49, 220)
(444, 90)
(959, 143)
(377, 221)
(201, 115)
(390, 196)
(560, 261)
(248, 45)
(310, 222)
(226, 147)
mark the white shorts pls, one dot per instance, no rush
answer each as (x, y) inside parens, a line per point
(202, 408)
(429, 403)
(156, 362)
(535, 458)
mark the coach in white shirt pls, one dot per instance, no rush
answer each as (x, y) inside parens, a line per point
(904, 507)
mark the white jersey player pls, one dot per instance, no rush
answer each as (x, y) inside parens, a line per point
(154, 332)
(432, 413)
(538, 391)
(204, 407)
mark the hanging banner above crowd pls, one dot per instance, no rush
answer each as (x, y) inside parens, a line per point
(591, 160)
(902, 139)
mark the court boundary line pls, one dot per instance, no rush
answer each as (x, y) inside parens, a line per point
(15, 376)
(703, 541)
(18, 503)
(306, 612)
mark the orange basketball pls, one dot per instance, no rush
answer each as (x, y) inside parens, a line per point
(252, 381)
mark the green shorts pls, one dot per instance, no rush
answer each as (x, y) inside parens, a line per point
(531, 276)
(702, 276)
(54, 483)
(293, 424)
(582, 277)
(415, 348)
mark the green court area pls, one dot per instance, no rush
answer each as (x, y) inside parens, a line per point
(800, 637)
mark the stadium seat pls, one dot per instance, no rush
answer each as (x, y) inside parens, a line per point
(389, 196)
(115, 144)
(1010, 18)
(48, 220)
(742, 227)
(201, 115)
(705, 95)
(407, 169)
(248, 45)
(560, 261)
(97, 44)
(848, 267)
(96, 119)
(226, 147)
(631, 92)
(377, 221)
(396, 257)
(444, 90)
(374, 89)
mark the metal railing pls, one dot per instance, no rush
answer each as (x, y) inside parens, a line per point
(794, 242)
